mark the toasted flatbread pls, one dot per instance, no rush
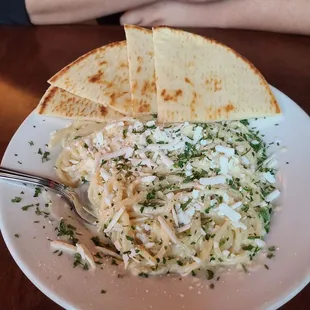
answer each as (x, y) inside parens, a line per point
(60, 103)
(201, 80)
(101, 76)
(141, 69)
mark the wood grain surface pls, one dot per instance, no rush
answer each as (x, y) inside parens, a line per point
(29, 56)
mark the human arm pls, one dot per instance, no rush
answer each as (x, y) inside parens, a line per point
(67, 11)
(290, 16)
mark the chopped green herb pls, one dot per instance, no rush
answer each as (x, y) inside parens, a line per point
(37, 192)
(97, 242)
(77, 137)
(85, 267)
(85, 146)
(16, 200)
(16, 235)
(210, 274)
(272, 248)
(60, 253)
(179, 263)
(270, 255)
(151, 195)
(193, 273)
(45, 157)
(77, 260)
(114, 262)
(184, 205)
(129, 238)
(31, 143)
(245, 122)
(248, 247)
(143, 275)
(64, 230)
(266, 266)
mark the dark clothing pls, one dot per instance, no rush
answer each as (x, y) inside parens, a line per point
(109, 20)
(13, 12)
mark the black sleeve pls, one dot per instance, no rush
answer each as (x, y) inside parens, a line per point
(13, 12)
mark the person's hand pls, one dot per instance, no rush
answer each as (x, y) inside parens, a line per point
(170, 13)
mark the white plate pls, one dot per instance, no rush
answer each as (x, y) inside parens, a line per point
(77, 289)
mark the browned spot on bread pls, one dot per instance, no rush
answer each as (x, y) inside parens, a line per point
(151, 54)
(96, 77)
(140, 60)
(123, 65)
(143, 107)
(193, 104)
(173, 96)
(178, 93)
(188, 81)
(163, 93)
(213, 84)
(103, 110)
(217, 85)
(102, 63)
(134, 86)
(145, 88)
(229, 107)
(139, 69)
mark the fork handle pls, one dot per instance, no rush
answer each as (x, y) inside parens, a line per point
(13, 175)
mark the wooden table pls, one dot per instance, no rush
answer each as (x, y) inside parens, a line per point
(29, 56)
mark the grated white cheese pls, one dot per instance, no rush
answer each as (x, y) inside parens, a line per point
(273, 195)
(228, 151)
(219, 179)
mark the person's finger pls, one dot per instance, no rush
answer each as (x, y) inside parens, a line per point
(140, 16)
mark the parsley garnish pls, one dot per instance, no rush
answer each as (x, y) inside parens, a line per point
(179, 263)
(45, 157)
(16, 200)
(37, 191)
(129, 238)
(67, 230)
(25, 208)
(184, 205)
(270, 255)
(97, 242)
(143, 275)
(245, 122)
(16, 235)
(151, 195)
(210, 274)
(78, 260)
(31, 143)
(248, 247)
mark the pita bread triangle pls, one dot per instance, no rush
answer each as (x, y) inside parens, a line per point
(141, 69)
(101, 76)
(201, 80)
(60, 103)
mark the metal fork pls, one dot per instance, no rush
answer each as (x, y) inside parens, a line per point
(67, 193)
